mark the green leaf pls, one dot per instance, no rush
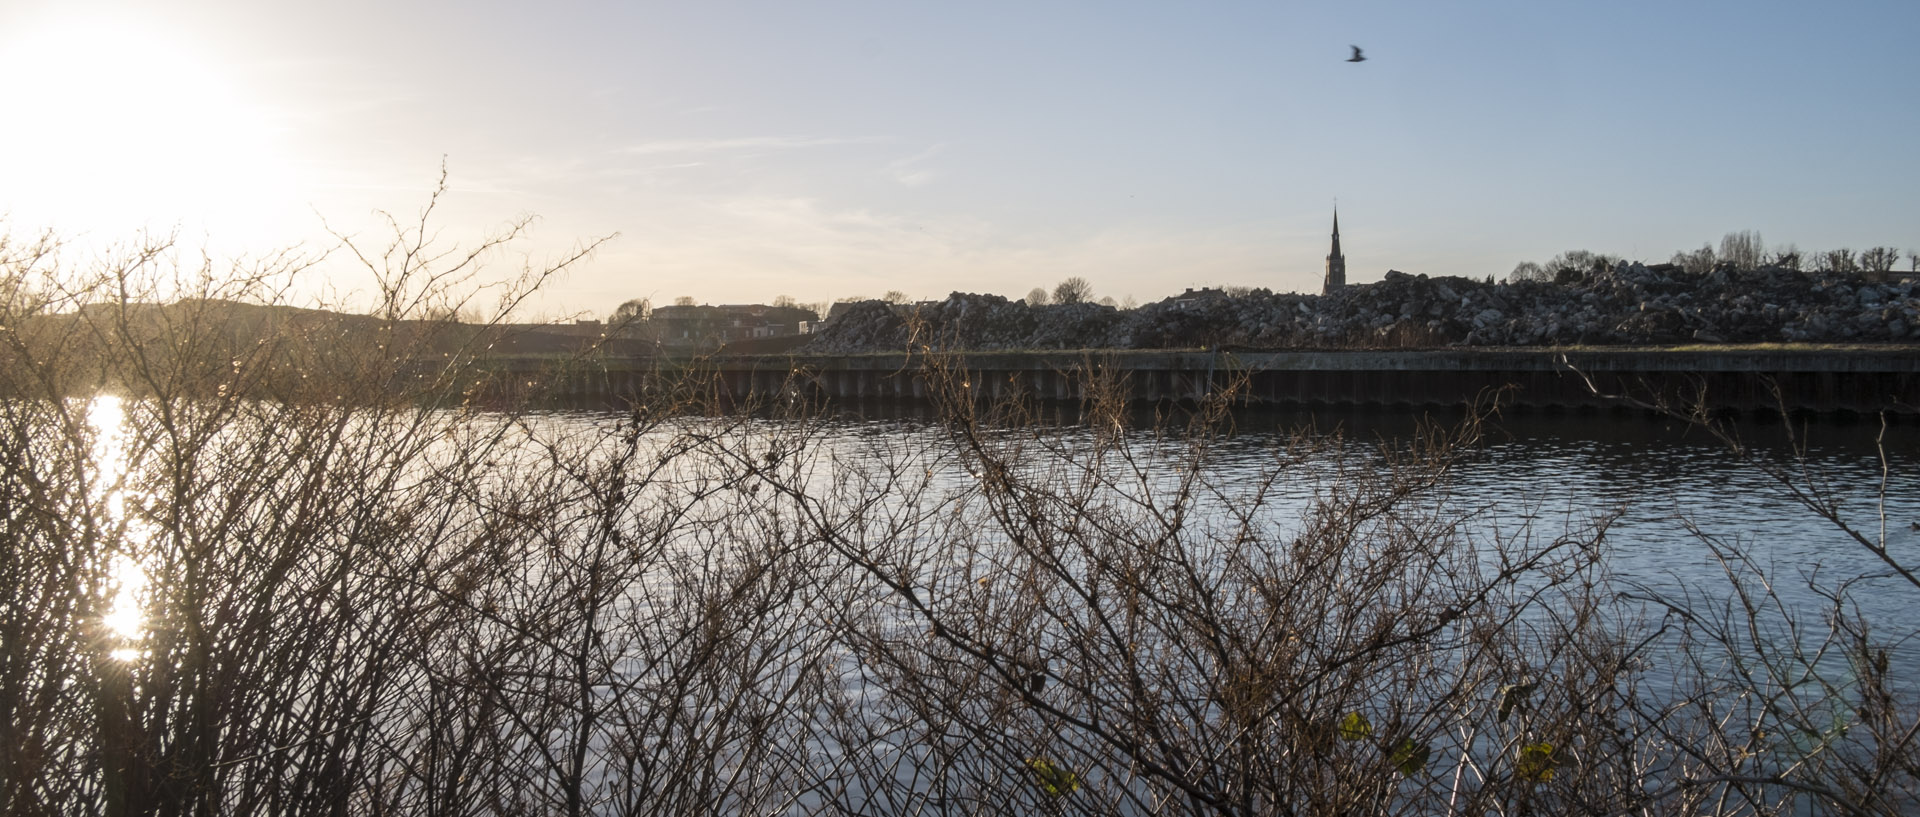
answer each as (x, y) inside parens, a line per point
(1511, 695)
(1054, 780)
(1409, 757)
(1536, 762)
(1355, 727)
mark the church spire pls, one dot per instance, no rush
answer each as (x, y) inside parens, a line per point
(1336, 263)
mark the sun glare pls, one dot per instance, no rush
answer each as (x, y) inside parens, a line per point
(115, 124)
(125, 618)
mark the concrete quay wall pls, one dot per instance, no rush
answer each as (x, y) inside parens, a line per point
(1817, 380)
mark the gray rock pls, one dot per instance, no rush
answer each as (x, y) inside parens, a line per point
(1630, 303)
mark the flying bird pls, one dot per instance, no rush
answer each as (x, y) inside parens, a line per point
(1357, 56)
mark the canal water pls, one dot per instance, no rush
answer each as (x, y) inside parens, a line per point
(1671, 483)
(1676, 503)
(1676, 500)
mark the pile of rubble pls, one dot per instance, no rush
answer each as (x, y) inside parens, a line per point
(1630, 304)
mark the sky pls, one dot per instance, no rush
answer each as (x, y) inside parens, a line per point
(824, 150)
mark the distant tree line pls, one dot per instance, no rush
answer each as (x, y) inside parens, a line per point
(1741, 249)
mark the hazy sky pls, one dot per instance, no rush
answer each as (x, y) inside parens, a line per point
(830, 149)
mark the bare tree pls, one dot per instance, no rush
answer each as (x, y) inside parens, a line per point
(412, 279)
(1569, 262)
(1697, 262)
(1037, 297)
(1786, 256)
(1529, 271)
(785, 302)
(1840, 260)
(1879, 260)
(895, 297)
(1581, 261)
(684, 300)
(632, 311)
(1743, 249)
(29, 276)
(1073, 290)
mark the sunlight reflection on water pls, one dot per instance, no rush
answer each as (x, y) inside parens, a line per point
(126, 617)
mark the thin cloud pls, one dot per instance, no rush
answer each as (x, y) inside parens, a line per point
(717, 145)
(911, 171)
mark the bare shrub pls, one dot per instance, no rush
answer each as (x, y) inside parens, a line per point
(1092, 627)
(290, 562)
(302, 574)
(1777, 709)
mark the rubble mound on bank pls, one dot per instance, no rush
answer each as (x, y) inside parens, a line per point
(1629, 304)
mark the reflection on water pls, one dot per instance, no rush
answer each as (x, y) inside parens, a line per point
(1669, 484)
(126, 618)
(1666, 482)
(1550, 471)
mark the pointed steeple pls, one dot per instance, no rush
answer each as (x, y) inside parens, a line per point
(1336, 263)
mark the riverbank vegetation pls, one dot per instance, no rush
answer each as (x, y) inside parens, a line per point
(302, 576)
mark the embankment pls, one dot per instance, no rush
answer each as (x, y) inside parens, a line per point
(1759, 378)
